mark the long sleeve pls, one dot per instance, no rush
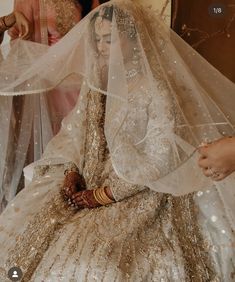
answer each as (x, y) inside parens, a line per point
(120, 189)
(142, 151)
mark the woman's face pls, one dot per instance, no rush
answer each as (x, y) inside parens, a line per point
(103, 29)
(103, 37)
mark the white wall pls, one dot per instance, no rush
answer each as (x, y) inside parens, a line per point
(6, 7)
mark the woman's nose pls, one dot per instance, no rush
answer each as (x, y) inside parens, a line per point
(101, 46)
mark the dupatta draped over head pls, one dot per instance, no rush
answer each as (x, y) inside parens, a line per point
(182, 100)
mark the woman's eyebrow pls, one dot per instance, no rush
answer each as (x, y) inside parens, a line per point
(103, 35)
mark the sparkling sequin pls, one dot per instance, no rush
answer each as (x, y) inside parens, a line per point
(214, 218)
(199, 193)
(65, 14)
(69, 127)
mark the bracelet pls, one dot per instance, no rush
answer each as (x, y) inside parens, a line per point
(101, 196)
(4, 21)
(3, 26)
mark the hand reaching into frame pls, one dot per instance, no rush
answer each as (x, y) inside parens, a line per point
(217, 159)
(25, 28)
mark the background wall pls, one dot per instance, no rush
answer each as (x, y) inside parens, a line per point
(161, 6)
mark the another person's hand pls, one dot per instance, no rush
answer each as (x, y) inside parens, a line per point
(23, 25)
(218, 158)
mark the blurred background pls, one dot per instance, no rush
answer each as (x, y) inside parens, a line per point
(163, 6)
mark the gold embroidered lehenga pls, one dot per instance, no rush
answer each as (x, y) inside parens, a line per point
(147, 236)
(128, 135)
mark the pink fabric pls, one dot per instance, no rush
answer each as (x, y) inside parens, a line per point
(53, 34)
(59, 107)
(30, 8)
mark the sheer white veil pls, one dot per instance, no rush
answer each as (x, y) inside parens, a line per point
(180, 100)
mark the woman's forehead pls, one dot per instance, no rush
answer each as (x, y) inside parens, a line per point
(102, 26)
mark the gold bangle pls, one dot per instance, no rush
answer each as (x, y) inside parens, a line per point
(98, 197)
(105, 197)
(101, 196)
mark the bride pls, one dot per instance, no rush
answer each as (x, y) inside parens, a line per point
(113, 197)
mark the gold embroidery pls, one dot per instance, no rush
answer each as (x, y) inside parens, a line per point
(195, 250)
(96, 146)
(65, 14)
(32, 244)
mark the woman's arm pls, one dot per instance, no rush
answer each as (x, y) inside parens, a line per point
(6, 22)
(17, 18)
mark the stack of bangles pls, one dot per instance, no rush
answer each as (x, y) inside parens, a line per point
(101, 197)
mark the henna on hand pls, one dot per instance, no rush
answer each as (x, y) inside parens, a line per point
(84, 199)
(91, 198)
(73, 183)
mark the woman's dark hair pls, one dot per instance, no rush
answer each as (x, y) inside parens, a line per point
(86, 6)
(124, 20)
(107, 13)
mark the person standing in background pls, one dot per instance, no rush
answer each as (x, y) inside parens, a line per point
(49, 21)
(53, 19)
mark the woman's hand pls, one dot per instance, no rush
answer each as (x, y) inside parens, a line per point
(73, 183)
(84, 199)
(91, 198)
(218, 158)
(25, 29)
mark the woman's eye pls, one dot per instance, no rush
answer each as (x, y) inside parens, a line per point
(108, 41)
